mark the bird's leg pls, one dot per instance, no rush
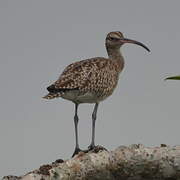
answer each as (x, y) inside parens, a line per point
(76, 119)
(92, 145)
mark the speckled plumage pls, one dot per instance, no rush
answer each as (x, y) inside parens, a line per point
(91, 80)
(98, 76)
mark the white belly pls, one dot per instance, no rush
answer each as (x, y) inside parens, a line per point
(77, 97)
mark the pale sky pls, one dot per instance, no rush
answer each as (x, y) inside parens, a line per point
(39, 38)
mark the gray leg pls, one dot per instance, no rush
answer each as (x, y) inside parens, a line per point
(76, 119)
(92, 145)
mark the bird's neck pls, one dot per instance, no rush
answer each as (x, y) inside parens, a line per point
(115, 55)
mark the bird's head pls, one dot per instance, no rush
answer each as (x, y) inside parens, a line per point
(116, 39)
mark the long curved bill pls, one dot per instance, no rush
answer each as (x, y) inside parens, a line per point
(125, 40)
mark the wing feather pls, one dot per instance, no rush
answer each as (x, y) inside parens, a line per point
(87, 75)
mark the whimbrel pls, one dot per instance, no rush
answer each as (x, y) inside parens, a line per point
(92, 80)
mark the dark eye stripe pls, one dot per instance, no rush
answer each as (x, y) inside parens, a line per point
(113, 39)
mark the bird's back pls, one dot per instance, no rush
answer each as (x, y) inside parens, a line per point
(90, 81)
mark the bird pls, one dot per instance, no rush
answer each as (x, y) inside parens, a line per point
(92, 80)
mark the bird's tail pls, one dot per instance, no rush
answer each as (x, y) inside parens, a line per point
(52, 95)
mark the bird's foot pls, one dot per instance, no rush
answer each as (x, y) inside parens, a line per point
(96, 149)
(91, 147)
(76, 151)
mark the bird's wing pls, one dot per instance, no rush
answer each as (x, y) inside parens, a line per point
(81, 75)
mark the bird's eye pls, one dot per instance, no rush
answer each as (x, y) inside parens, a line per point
(113, 39)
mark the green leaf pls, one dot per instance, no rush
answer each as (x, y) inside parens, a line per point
(173, 78)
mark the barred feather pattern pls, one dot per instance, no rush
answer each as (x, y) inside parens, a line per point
(98, 76)
(52, 95)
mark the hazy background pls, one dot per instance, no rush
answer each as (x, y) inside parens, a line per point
(38, 38)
